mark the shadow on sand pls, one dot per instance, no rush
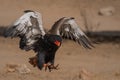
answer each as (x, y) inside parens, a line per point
(102, 36)
(105, 36)
(2, 30)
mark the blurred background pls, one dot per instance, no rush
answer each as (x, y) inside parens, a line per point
(52, 10)
(99, 19)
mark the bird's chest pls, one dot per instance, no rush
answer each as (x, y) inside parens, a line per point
(51, 42)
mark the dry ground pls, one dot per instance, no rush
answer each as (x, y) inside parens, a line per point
(100, 63)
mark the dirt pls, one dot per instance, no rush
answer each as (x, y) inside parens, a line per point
(76, 63)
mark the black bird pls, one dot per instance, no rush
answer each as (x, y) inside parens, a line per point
(29, 29)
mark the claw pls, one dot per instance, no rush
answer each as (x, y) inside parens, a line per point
(51, 67)
(56, 67)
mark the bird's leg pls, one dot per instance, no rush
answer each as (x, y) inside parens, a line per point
(33, 61)
(46, 65)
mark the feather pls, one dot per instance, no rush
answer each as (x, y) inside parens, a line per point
(70, 30)
(29, 26)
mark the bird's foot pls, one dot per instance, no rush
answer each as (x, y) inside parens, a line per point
(33, 61)
(51, 67)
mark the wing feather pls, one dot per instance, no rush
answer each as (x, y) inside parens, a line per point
(71, 30)
(28, 27)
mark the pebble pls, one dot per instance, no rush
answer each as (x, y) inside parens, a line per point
(107, 11)
(20, 68)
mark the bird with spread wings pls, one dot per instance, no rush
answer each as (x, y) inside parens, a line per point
(29, 29)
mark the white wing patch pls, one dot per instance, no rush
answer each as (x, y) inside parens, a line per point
(25, 19)
(71, 30)
(28, 26)
(75, 26)
(67, 29)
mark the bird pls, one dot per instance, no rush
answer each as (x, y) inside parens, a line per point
(29, 28)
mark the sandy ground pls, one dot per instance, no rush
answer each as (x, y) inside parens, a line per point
(100, 63)
(76, 63)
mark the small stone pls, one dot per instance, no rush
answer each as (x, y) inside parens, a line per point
(117, 74)
(20, 68)
(107, 11)
(23, 69)
(85, 75)
(11, 67)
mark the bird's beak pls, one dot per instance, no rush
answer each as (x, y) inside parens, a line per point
(57, 43)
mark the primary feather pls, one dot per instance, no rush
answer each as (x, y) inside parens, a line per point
(73, 31)
(28, 27)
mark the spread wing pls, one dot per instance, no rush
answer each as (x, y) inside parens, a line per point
(28, 27)
(70, 30)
